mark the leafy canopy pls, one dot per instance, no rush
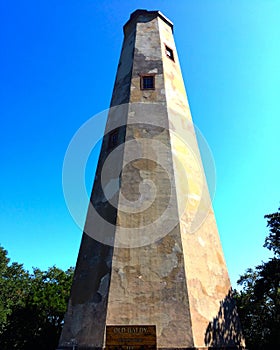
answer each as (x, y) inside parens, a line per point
(32, 305)
(259, 300)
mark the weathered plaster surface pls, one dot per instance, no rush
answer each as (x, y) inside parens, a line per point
(85, 319)
(177, 281)
(206, 273)
(152, 278)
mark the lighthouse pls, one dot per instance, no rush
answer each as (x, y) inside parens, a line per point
(150, 273)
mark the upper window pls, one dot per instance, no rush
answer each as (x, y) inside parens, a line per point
(147, 82)
(169, 53)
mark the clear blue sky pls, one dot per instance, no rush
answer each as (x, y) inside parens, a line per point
(58, 63)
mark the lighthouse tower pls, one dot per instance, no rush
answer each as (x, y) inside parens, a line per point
(150, 271)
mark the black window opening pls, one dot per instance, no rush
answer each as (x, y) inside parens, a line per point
(147, 82)
(113, 139)
(169, 53)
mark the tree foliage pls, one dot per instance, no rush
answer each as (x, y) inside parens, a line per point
(272, 241)
(259, 300)
(32, 305)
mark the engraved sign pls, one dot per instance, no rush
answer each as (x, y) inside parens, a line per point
(130, 337)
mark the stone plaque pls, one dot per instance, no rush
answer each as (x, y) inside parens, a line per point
(130, 337)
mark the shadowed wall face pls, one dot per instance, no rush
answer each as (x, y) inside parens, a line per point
(150, 253)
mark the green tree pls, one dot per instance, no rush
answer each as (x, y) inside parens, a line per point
(272, 241)
(14, 282)
(33, 306)
(259, 300)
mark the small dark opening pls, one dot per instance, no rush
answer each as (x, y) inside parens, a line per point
(113, 139)
(169, 53)
(147, 82)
